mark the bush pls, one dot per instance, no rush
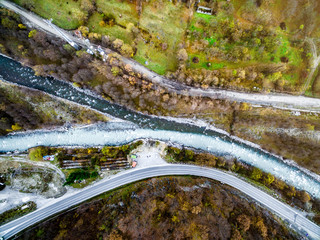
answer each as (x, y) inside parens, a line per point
(32, 33)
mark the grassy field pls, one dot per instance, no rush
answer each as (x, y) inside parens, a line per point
(66, 14)
(159, 24)
(115, 30)
(154, 59)
(123, 11)
(164, 25)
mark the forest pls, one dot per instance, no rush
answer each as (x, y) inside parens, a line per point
(269, 183)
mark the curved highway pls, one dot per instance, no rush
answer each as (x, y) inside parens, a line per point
(284, 211)
(290, 102)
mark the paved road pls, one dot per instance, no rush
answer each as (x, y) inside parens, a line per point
(296, 103)
(284, 211)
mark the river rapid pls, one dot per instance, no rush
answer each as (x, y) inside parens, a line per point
(138, 126)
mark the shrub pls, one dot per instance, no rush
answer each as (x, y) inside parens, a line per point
(80, 174)
(32, 33)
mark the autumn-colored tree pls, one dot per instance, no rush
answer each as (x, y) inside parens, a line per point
(244, 222)
(32, 33)
(21, 26)
(236, 235)
(268, 179)
(38, 69)
(261, 227)
(84, 30)
(305, 197)
(182, 55)
(290, 191)
(87, 5)
(118, 43)
(256, 174)
(127, 50)
(102, 23)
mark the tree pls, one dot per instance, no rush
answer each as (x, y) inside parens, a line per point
(84, 30)
(39, 71)
(256, 174)
(83, 75)
(188, 154)
(236, 235)
(269, 179)
(132, 29)
(290, 191)
(80, 16)
(7, 23)
(115, 71)
(261, 227)
(32, 33)
(305, 197)
(21, 26)
(118, 43)
(244, 221)
(16, 127)
(182, 55)
(87, 5)
(127, 50)
(102, 23)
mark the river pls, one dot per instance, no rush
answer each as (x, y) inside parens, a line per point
(138, 126)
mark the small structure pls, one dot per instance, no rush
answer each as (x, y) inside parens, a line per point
(134, 164)
(48, 158)
(78, 34)
(90, 51)
(133, 158)
(204, 10)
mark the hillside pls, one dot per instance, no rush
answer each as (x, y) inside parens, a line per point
(166, 208)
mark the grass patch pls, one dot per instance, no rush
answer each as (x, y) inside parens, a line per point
(114, 31)
(203, 62)
(158, 62)
(123, 11)
(167, 23)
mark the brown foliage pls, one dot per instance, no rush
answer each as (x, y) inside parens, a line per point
(162, 209)
(244, 222)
